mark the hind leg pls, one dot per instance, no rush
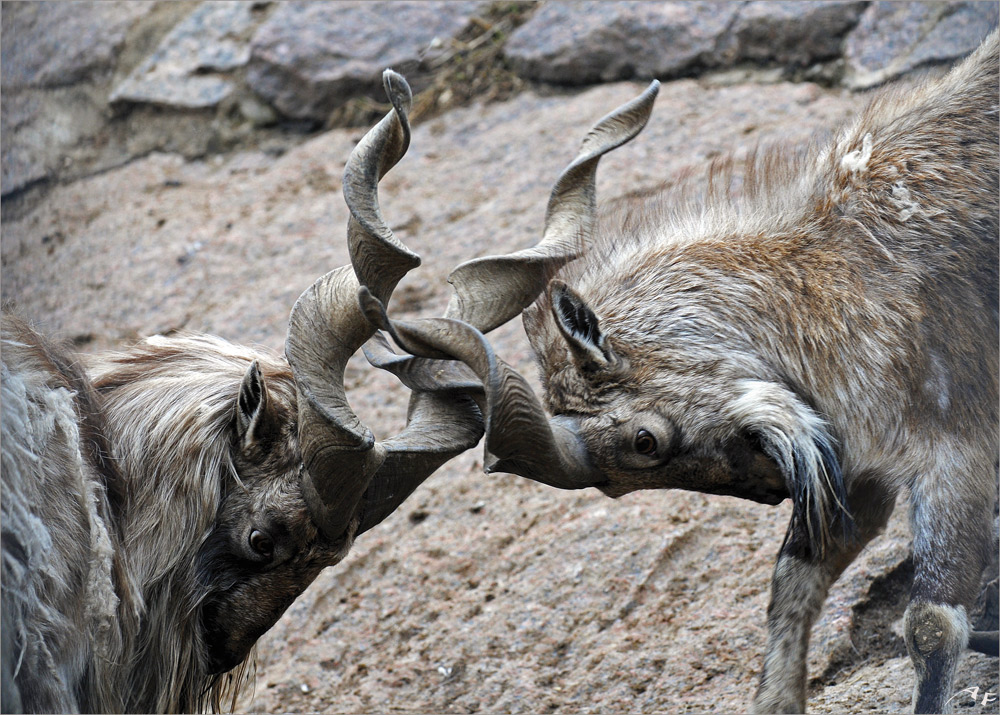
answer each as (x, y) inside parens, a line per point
(952, 523)
(798, 589)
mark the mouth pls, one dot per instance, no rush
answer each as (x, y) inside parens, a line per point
(764, 481)
(219, 656)
(740, 471)
(220, 661)
(615, 490)
(762, 494)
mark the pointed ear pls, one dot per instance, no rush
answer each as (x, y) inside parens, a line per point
(252, 415)
(581, 328)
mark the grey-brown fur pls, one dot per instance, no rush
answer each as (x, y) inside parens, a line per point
(129, 491)
(830, 334)
(823, 328)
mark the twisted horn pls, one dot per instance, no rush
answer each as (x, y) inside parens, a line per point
(438, 428)
(555, 456)
(443, 420)
(325, 328)
(350, 481)
(421, 374)
(489, 291)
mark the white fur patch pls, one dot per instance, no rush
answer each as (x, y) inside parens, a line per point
(903, 201)
(856, 161)
(937, 384)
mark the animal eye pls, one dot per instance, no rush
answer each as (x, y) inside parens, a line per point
(261, 543)
(645, 443)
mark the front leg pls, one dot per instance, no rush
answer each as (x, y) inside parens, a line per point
(799, 587)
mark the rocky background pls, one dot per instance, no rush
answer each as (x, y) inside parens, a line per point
(176, 166)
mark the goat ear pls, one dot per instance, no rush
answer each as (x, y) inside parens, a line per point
(252, 423)
(581, 328)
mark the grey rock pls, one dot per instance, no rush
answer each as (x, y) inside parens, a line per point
(886, 31)
(791, 33)
(893, 38)
(44, 131)
(586, 42)
(55, 44)
(309, 58)
(959, 31)
(22, 164)
(179, 72)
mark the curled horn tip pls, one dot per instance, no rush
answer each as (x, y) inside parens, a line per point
(644, 102)
(620, 126)
(408, 336)
(397, 89)
(648, 97)
(373, 309)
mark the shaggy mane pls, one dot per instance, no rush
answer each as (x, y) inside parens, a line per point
(170, 403)
(144, 446)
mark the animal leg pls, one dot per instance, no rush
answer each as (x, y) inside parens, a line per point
(950, 549)
(799, 587)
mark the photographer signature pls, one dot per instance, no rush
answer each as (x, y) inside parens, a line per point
(987, 696)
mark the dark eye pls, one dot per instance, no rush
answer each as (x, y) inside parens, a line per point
(261, 543)
(645, 443)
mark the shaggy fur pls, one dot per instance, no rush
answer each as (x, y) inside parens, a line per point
(833, 309)
(129, 493)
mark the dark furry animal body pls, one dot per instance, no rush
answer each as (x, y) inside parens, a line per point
(829, 334)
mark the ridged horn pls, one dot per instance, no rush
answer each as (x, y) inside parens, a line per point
(438, 427)
(421, 374)
(443, 420)
(520, 439)
(326, 328)
(350, 481)
(492, 290)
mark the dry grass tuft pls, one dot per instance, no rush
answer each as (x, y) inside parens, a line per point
(469, 67)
